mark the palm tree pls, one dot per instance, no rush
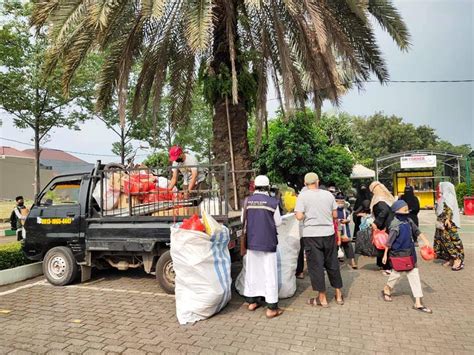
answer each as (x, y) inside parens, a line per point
(234, 44)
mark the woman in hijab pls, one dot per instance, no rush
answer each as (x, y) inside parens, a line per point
(362, 195)
(413, 206)
(412, 202)
(380, 205)
(447, 244)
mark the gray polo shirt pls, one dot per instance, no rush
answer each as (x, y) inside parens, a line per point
(317, 206)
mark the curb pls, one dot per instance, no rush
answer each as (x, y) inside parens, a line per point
(7, 233)
(20, 273)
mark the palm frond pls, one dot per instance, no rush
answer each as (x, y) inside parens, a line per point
(390, 19)
(199, 24)
(358, 8)
(42, 11)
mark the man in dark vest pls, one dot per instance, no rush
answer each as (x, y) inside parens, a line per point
(261, 273)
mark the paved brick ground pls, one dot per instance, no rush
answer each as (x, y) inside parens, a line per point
(128, 313)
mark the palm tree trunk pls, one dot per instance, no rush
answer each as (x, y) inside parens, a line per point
(237, 113)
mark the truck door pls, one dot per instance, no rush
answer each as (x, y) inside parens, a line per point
(56, 217)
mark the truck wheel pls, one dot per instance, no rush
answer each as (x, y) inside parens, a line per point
(59, 266)
(165, 272)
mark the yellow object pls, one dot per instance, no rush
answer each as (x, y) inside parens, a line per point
(289, 201)
(212, 226)
(423, 183)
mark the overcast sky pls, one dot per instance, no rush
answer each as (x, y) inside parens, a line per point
(442, 37)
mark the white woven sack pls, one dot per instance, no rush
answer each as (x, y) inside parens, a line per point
(202, 267)
(111, 195)
(287, 258)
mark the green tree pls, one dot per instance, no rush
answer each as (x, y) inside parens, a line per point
(380, 135)
(32, 102)
(194, 134)
(237, 43)
(158, 160)
(297, 147)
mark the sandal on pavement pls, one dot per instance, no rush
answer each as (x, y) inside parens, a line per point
(316, 302)
(278, 312)
(386, 297)
(300, 276)
(458, 268)
(341, 302)
(423, 309)
(252, 308)
(354, 267)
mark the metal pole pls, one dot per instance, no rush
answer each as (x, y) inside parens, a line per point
(376, 170)
(226, 193)
(468, 175)
(459, 172)
(232, 162)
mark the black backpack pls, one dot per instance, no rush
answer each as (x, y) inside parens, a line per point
(363, 244)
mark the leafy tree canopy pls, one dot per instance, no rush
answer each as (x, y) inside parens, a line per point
(297, 147)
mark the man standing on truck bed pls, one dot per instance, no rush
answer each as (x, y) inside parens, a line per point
(187, 164)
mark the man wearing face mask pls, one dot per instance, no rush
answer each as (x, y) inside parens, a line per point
(18, 217)
(187, 165)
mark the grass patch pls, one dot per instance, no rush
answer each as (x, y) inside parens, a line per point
(12, 256)
(6, 207)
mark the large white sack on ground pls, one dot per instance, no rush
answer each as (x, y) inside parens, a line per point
(287, 254)
(202, 267)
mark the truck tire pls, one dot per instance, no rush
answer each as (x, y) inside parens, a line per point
(59, 266)
(165, 272)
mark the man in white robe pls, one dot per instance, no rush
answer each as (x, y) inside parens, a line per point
(262, 216)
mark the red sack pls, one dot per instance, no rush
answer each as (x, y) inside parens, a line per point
(379, 239)
(194, 223)
(131, 185)
(427, 253)
(158, 194)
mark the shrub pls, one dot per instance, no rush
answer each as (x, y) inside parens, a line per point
(461, 191)
(12, 256)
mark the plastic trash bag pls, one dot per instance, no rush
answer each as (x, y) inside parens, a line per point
(211, 225)
(380, 239)
(193, 223)
(427, 253)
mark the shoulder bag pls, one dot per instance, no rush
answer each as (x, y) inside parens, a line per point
(243, 237)
(402, 260)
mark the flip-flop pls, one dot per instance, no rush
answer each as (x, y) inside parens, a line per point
(459, 268)
(423, 309)
(316, 302)
(341, 302)
(354, 267)
(277, 314)
(385, 295)
(300, 276)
